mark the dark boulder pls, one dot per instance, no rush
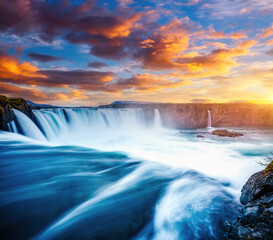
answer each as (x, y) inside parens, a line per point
(226, 133)
(256, 220)
(6, 113)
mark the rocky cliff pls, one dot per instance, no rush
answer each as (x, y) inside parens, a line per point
(6, 112)
(256, 220)
(196, 115)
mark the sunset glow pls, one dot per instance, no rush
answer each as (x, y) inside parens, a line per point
(88, 52)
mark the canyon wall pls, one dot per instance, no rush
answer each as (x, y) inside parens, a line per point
(196, 115)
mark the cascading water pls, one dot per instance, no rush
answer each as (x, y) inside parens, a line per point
(157, 119)
(63, 124)
(12, 127)
(86, 178)
(27, 126)
(209, 119)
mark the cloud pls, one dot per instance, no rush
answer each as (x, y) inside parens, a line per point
(231, 8)
(247, 44)
(152, 82)
(200, 100)
(97, 64)
(211, 33)
(269, 42)
(40, 95)
(270, 52)
(125, 3)
(165, 44)
(17, 15)
(43, 57)
(24, 92)
(52, 18)
(11, 68)
(268, 32)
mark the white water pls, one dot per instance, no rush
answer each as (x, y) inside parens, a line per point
(79, 126)
(209, 119)
(157, 119)
(192, 205)
(28, 127)
(12, 127)
(128, 130)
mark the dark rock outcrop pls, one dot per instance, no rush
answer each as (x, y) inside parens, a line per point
(256, 221)
(225, 133)
(6, 113)
(6, 110)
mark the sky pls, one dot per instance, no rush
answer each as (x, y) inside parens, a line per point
(88, 52)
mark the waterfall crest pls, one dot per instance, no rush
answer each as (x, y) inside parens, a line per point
(209, 119)
(27, 126)
(80, 123)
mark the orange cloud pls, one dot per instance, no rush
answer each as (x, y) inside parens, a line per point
(164, 45)
(247, 44)
(212, 34)
(10, 67)
(122, 28)
(267, 32)
(245, 11)
(269, 42)
(218, 62)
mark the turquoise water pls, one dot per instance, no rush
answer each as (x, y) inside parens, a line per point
(122, 180)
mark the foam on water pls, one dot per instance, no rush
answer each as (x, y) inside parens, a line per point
(167, 184)
(128, 130)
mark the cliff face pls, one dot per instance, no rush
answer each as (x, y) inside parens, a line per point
(222, 115)
(6, 112)
(196, 115)
(256, 221)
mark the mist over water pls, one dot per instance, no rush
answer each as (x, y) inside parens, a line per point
(115, 174)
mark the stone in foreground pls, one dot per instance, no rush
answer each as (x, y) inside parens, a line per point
(256, 221)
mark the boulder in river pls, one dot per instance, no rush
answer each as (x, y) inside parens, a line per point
(226, 133)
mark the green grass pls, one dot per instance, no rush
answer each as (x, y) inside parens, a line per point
(3, 100)
(269, 167)
(17, 103)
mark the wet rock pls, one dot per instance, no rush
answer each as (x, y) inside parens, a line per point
(6, 112)
(226, 133)
(21, 105)
(256, 220)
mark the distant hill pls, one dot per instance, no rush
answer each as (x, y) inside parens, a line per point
(130, 102)
(40, 105)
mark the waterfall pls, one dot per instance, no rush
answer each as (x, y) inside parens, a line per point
(27, 126)
(209, 119)
(12, 127)
(157, 119)
(82, 123)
